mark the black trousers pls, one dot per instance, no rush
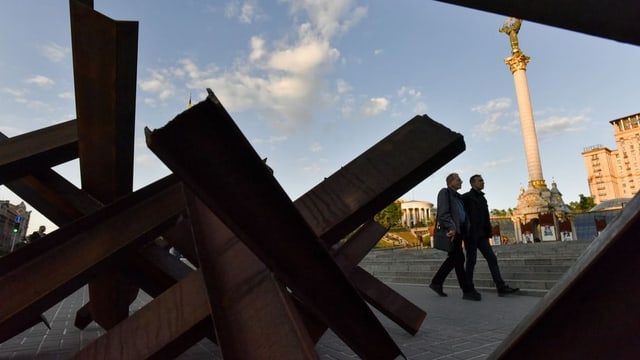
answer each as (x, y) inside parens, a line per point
(454, 260)
(472, 245)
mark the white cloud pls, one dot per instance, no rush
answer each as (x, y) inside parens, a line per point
(312, 169)
(420, 107)
(315, 147)
(378, 52)
(497, 163)
(413, 98)
(304, 58)
(55, 52)
(493, 111)
(14, 92)
(561, 124)
(405, 92)
(347, 107)
(189, 68)
(282, 80)
(246, 12)
(40, 80)
(342, 87)
(330, 17)
(493, 106)
(37, 105)
(158, 83)
(271, 140)
(375, 106)
(257, 48)
(149, 101)
(66, 95)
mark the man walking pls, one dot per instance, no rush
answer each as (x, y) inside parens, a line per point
(477, 210)
(452, 217)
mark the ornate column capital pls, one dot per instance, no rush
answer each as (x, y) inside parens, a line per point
(517, 61)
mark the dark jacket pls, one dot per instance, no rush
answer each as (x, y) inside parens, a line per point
(475, 205)
(447, 215)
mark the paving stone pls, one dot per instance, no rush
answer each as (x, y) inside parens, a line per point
(455, 329)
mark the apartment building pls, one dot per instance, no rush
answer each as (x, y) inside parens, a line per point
(615, 173)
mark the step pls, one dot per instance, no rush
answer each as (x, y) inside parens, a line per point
(534, 268)
(572, 248)
(434, 266)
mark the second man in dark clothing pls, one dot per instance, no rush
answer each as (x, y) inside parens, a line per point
(477, 210)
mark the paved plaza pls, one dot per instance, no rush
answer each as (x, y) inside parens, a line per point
(454, 329)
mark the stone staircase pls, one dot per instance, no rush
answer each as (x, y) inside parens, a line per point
(534, 268)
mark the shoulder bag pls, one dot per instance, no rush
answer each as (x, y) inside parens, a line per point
(440, 239)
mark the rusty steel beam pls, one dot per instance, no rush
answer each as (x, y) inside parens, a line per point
(53, 196)
(58, 200)
(155, 270)
(181, 237)
(203, 143)
(378, 177)
(159, 328)
(95, 241)
(37, 150)
(612, 19)
(592, 311)
(248, 304)
(393, 305)
(358, 245)
(104, 67)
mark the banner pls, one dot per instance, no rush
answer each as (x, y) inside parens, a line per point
(548, 232)
(566, 233)
(547, 226)
(527, 231)
(496, 239)
(601, 223)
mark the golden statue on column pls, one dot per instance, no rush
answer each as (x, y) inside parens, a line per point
(511, 27)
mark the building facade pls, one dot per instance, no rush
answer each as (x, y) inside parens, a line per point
(416, 213)
(615, 173)
(14, 221)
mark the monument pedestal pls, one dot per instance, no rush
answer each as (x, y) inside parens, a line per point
(541, 213)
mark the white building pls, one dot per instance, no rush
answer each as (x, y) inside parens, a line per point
(415, 212)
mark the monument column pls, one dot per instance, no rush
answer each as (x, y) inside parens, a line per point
(518, 65)
(537, 201)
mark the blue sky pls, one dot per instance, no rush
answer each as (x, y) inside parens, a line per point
(313, 84)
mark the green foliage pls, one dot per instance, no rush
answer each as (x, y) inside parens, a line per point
(583, 205)
(426, 240)
(390, 215)
(384, 244)
(502, 212)
(398, 228)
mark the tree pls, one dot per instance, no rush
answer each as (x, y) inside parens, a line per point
(501, 212)
(583, 205)
(497, 212)
(390, 215)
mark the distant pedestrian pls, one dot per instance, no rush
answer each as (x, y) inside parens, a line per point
(478, 239)
(37, 234)
(452, 217)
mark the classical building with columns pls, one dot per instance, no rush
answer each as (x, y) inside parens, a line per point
(415, 212)
(615, 173)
